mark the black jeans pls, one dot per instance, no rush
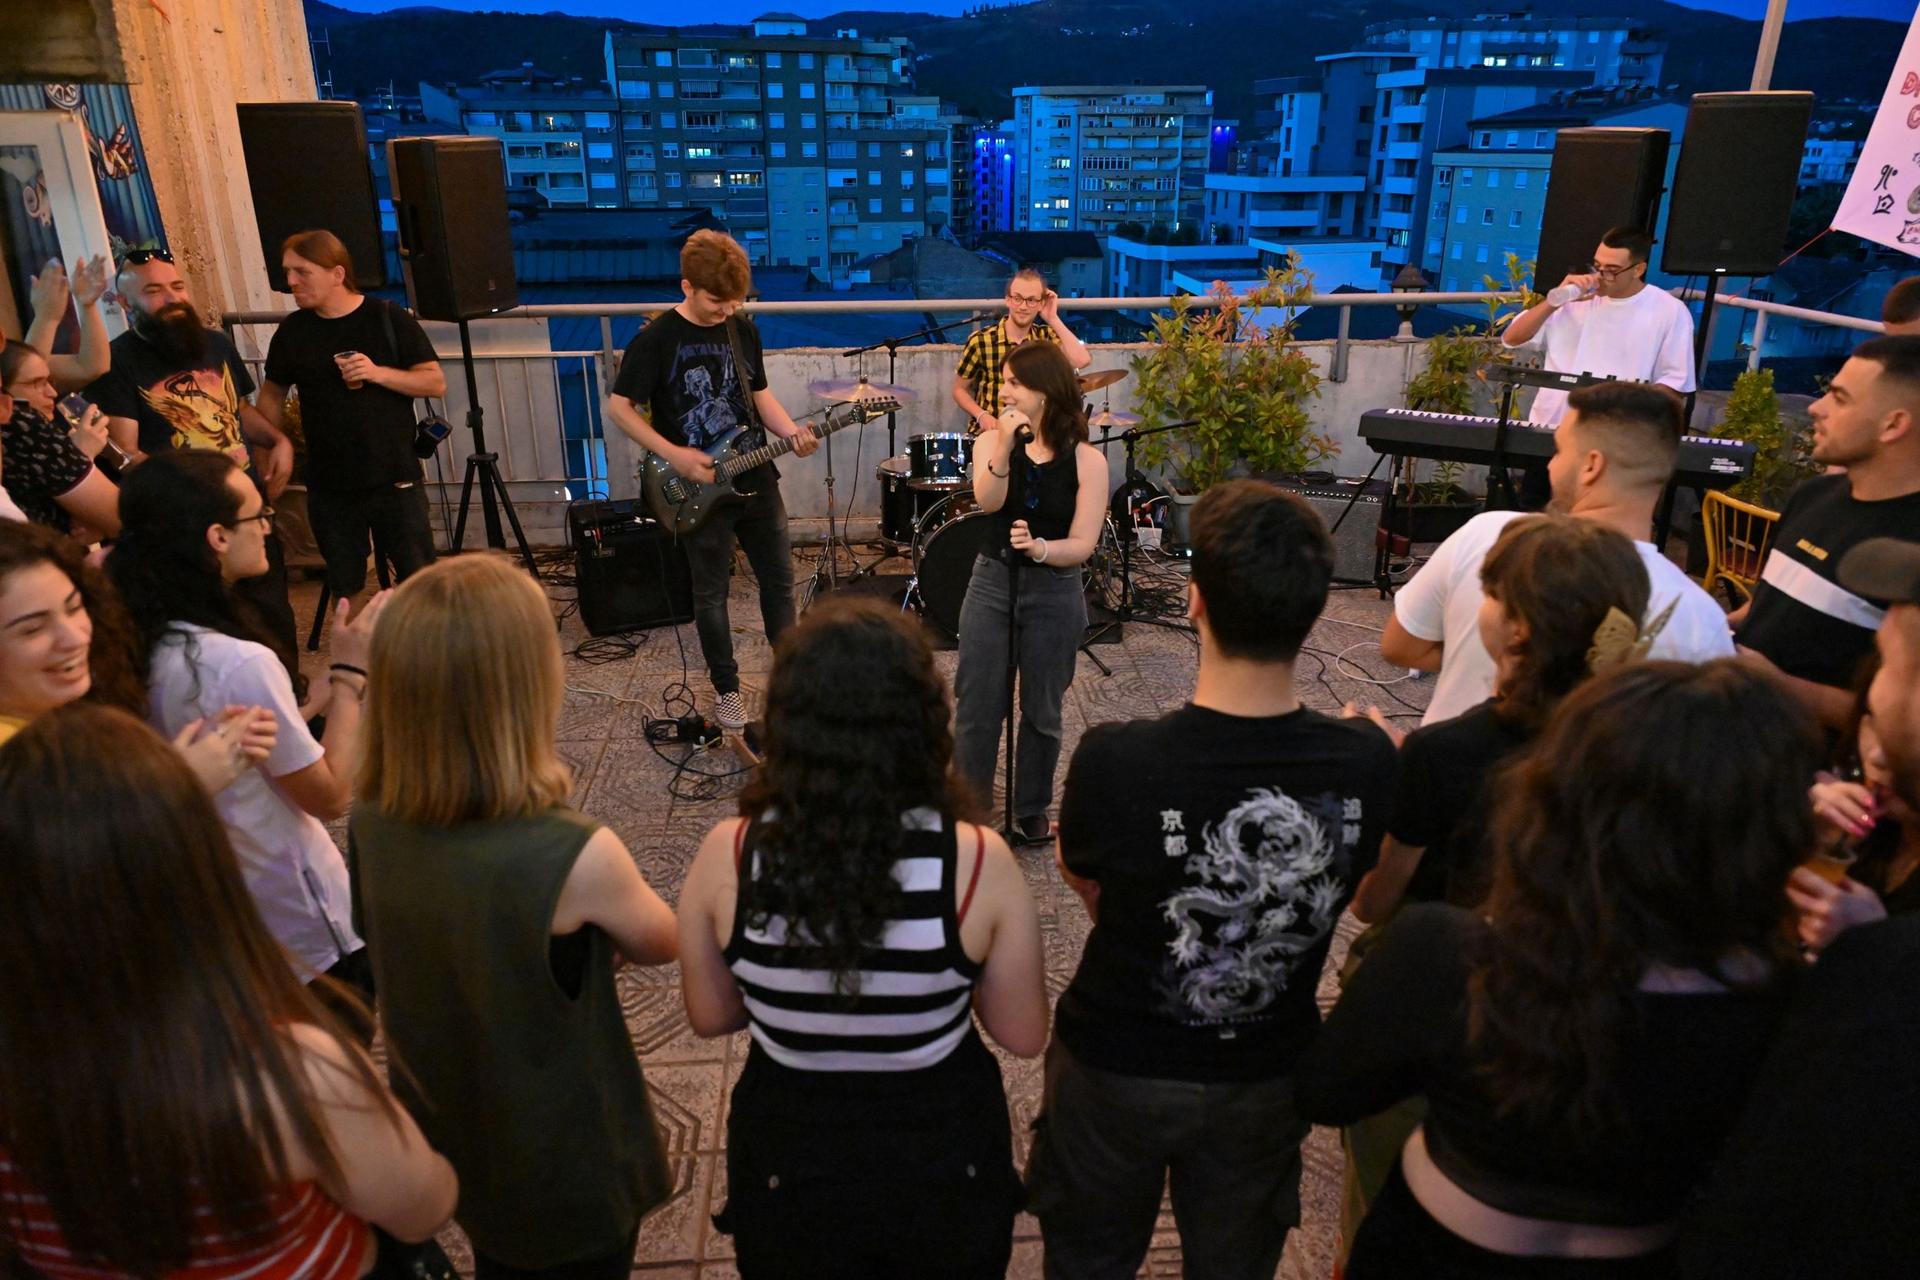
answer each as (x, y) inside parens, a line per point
(609, 1266)
(759, 526)
(1104, 1146)
(394, 514)
(1400, 1239)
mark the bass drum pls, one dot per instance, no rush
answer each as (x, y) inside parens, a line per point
(952, 535)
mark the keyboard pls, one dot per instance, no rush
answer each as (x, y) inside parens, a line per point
(1705, 461)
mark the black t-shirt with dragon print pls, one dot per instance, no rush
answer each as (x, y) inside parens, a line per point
(1225, 848)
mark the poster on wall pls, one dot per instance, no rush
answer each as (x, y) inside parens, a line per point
(104, 113)
(1882, 203)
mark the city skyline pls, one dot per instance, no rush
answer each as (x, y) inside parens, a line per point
(741, 11)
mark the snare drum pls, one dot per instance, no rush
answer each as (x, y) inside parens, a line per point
(939, 460)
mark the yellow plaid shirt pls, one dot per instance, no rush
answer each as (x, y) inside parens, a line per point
(984, 355)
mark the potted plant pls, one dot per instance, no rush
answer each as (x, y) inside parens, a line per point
(1235, 371)
(1454, 380)
(1782, 451)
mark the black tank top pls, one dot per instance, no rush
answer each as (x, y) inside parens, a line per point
(1041, 493)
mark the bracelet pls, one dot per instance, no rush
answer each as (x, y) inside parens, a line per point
(348, 666)
(999, 475)
(359, 691)
(1042, 557)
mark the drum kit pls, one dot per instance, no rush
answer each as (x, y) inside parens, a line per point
(928, 515)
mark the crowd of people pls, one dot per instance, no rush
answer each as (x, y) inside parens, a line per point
(1633, 997)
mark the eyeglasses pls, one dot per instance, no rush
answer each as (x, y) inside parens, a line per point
(264, 515)
(1020, 300)
(1611, 272)
(139, 257)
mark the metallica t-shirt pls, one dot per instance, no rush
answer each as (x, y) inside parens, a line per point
(1225, 848)
(684, 378)
(177, 406)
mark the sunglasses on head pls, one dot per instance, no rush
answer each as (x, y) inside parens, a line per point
(140, 257)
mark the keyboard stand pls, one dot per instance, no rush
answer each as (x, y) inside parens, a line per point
(1500, 496)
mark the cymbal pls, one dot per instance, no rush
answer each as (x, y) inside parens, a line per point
(1101, 378)
(1110, 420)
(850, 390)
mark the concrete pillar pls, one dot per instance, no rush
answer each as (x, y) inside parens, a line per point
(187, 63)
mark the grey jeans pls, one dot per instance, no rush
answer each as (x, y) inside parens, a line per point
(1053, 620)
(1104, 1145)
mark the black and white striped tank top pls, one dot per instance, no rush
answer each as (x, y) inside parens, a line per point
(916, 988)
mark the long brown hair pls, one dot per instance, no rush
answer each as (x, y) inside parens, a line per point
(324, 250)
(1559, 575)
(1634, 832)
(464, 690)
(113, 656)
(1044, 367)
(857, 733)
(144, 1043)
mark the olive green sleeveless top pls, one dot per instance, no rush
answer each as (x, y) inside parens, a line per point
(519, 1070)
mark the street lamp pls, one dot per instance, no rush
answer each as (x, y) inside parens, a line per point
(1408, 281)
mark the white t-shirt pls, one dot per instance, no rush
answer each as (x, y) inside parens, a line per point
(292, 866)
(1442, 603)
(9, 510)
(1648, 337)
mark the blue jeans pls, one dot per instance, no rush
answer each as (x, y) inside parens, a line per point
(759, 525)
(1053, 620)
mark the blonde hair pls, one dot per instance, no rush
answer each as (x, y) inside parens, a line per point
(464, 692)
(714, 261)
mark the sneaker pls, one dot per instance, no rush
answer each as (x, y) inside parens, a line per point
(730, 711)
(1033, 830)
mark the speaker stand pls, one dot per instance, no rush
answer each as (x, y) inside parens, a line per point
(485, 465)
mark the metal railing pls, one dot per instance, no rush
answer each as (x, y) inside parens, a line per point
(545, 406)
(1763, 309)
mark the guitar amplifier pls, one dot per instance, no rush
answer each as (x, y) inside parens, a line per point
(1357, 529)
(631, 573)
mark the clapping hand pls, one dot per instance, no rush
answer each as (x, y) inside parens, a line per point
(240, 738)
(49, 291)
(89, 280)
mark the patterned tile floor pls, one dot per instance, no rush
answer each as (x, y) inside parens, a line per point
(623, 783)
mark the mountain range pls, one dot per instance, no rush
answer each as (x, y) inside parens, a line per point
(977, 60)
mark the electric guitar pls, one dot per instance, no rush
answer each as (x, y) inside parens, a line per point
(683, 505)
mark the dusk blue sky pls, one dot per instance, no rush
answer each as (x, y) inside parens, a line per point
(743, 10)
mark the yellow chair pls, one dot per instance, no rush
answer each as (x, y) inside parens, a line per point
(1737, 535)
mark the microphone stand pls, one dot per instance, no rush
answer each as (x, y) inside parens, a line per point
(1125, 614)
(893, 346)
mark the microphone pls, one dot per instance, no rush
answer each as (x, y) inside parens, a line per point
(1022, 426)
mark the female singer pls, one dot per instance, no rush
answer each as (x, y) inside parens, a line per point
(1045, 489)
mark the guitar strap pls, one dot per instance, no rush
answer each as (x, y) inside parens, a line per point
(744, 376)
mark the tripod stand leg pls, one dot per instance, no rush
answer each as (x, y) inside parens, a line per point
(492, 478)
(459, 542)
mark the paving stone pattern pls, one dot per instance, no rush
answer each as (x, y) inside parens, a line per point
(622, 782)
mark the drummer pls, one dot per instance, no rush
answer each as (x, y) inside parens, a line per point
(1033, 312)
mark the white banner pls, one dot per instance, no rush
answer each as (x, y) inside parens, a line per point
(1882, 203)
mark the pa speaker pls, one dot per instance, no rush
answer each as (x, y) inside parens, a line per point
(1733, 189)
(630, 571)
(1601, 179)
(450, 204)
(308, 167)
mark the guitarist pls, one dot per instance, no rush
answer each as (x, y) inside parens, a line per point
(690, 376)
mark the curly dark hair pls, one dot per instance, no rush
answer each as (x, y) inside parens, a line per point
(856, 734)
(166, 570)
(1559, 575)
(1632, 834)
(113, 657)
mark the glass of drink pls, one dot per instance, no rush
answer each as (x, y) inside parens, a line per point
(340, 359)
(1833, 862)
